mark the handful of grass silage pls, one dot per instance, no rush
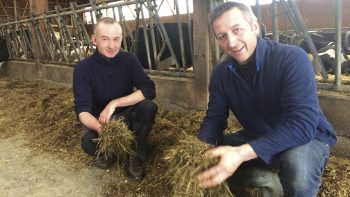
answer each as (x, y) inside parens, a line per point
(115, 139)
(185, 161)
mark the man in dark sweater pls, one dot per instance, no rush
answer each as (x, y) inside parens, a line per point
(271, 90)
(109, 84)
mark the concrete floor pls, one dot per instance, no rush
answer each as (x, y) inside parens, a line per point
(342, 147)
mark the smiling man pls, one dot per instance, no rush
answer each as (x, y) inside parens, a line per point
(271, 90)
(109, 84)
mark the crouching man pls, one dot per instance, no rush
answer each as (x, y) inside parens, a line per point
(271, 89)
(112, 83)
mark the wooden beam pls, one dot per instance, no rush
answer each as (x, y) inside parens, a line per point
(202, 50)
(38, 6)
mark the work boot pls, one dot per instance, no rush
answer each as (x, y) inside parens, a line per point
(134, 168)
(104, 162)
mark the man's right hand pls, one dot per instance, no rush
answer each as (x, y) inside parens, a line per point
(90, 121)
(108, 111)
(230, 159)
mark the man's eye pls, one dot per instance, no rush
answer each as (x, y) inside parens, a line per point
(221, 37)
(237, 30)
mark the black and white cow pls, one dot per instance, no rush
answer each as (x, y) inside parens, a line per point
(172, 32)
(4, 54)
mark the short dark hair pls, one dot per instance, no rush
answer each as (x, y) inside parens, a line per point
(105, 20)
(221, 9)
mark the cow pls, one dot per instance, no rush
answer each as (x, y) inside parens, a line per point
(328, 59)
(4, 53)
(326, 51)
(166, 61)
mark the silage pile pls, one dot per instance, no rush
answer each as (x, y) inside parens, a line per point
(336, 178)
(186, 159)
(44, 113)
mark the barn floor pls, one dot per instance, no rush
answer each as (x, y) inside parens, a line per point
(40, 153)
(345, 79)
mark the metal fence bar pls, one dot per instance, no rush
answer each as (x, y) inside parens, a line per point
(137, 31)
(338, 39)
(319, 66)
(69, 13)
(28, 48)
(61, 35)
(163, 32)
(145, 35)
(67, 34)
(150, 7)
(56, 45)
(44, 49)
(122, 24)
(181, 40)
(189, 26)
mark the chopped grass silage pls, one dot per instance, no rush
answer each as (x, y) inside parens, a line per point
(44, 113)
(185, 161)
(336, 178)
(115, 139)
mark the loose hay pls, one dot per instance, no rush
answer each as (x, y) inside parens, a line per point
(336, 178)
(185, 160)
(44, 114)
(115, 139)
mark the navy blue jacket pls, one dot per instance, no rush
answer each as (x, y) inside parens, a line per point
(98, 80)
(281, 109)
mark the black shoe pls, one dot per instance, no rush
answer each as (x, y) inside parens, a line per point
(104, 162)
(134, 168)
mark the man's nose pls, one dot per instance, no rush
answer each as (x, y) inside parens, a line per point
(110, 44)
(232, 40)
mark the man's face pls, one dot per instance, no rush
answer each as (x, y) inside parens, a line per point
(235, 35)
(107, 39)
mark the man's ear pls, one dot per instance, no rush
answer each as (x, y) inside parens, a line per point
(255, 27)
(93, 39)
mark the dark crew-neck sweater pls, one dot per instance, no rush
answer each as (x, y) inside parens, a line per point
(98, 80)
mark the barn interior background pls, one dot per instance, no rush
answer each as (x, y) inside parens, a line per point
(43, 39)
(171, 38)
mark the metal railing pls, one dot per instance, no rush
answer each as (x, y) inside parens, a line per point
(62, 36)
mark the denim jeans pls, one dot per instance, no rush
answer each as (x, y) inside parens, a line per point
(299, 169)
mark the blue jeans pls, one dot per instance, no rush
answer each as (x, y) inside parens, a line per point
(299, 169)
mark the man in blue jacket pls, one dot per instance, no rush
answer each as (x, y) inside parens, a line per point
(271, 90)
(112, 83)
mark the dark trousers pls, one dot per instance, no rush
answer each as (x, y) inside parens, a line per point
(139, 118)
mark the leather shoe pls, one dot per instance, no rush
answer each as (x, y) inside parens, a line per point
(134, 168)
(104, 162)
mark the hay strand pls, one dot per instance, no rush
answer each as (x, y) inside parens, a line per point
(44, 114)
(115, 139)
(336, 178)
(185, 160)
